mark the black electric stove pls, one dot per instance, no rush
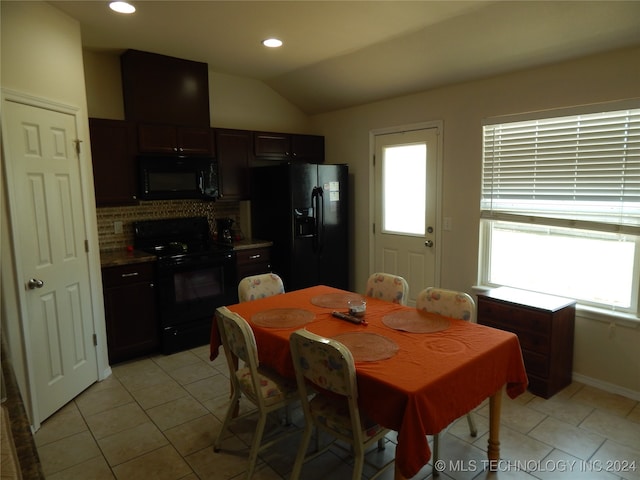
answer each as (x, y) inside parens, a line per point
(194, 276)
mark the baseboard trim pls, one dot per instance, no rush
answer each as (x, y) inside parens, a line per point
(607, 387)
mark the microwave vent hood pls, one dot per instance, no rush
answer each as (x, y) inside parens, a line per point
(172, 177)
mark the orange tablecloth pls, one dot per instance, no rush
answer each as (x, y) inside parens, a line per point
(432, 380)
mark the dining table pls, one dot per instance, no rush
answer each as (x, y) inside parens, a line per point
(416, 372)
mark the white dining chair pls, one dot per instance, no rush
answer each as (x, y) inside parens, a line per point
(259, 286)
(388, 287)
(268, 391)
(326, 365)
(452, 304)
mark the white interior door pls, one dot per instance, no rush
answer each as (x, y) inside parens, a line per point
(47, 217)
(406, 193)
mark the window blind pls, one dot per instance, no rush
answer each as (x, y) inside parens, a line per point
(581, 171)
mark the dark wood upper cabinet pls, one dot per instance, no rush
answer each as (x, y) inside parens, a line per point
(275, 145)
(113, 153)
(290, 147)
(170, 139)
(233, 150)
(308, 148)
(165, 90)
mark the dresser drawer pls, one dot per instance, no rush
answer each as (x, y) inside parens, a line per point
(514, 318)
(536, 363)
(536, 342)
(127, 274)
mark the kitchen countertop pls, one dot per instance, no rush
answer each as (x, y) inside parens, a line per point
(251, 243)
(114, 258)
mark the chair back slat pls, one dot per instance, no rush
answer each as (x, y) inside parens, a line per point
(448, 303)
(237, 336)
(326, 363)
(259, 286)
(388, 287)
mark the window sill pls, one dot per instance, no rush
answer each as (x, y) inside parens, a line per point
(608, 316)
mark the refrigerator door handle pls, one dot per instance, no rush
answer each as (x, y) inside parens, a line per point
(315, 202)
(320, 218)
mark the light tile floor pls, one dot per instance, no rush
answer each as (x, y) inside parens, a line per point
(157, 417)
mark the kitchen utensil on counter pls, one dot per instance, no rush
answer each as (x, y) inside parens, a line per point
(223, 227)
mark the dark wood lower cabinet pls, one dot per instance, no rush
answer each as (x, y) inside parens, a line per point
(545, 328)
(253, 261)
(130, 311)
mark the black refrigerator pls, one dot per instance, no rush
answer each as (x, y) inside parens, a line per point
(302, 209)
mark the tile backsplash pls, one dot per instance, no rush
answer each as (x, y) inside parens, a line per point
(109, 217)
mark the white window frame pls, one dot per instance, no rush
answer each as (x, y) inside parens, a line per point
(494, 208)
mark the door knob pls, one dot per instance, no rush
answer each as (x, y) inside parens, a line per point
(428, 243)
(34, 283)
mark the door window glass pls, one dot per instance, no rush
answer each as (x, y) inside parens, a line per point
(404, 177)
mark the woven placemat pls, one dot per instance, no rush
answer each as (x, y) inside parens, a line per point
(283, 318)
(416, 321)
(368, 347)
(335, 300)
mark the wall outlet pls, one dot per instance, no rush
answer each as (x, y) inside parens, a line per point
(117, 227)
(447, 224)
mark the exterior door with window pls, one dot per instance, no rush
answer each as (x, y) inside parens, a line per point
(406, 198)
(52, 264)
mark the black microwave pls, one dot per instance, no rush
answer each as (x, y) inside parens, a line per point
(168, 177)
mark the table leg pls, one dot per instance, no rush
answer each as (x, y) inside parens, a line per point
(493, 450)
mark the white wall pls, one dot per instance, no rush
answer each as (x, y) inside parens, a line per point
(104, 85)
(248, 104)
(613, 359)
(42, 57)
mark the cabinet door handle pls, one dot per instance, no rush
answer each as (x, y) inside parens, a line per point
(253, 257)
(132, 274)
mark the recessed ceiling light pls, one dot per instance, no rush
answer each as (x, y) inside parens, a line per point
(122, 7)
(272, 43)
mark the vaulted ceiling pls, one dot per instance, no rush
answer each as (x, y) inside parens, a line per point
(344, 53)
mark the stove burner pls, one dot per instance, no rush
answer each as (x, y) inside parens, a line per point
(177, 237)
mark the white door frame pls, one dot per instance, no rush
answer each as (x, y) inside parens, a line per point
(91, 235)
(437, 124)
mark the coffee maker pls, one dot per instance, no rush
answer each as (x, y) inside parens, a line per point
(223, 227)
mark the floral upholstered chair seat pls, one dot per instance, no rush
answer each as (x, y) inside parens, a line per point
(273, 389)
(334, 414)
